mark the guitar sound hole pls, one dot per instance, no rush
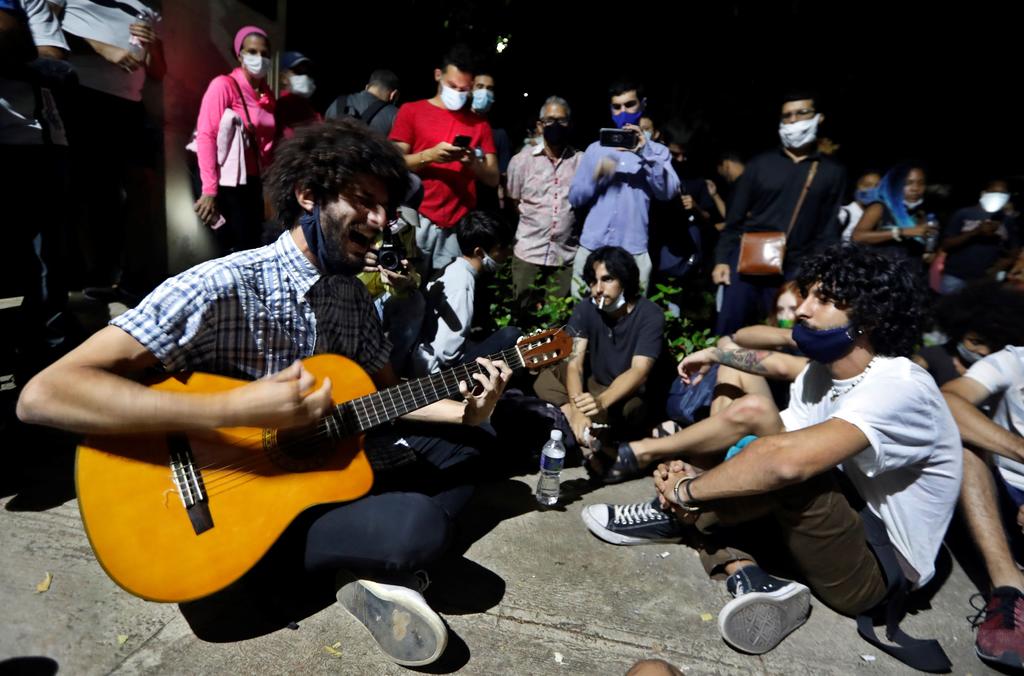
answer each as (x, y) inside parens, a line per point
(299, 450)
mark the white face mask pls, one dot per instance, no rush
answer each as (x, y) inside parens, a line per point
(452, 98)
(913, 205)
(967, 356)
(302, 85)
(994, 201)
(648, 135)
(258, 66)
(604, 306)
(489, 263)
(799, 134)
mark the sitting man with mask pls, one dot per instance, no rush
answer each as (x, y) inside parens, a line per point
(618, 337)
(860, 473)
(617, 185)
(977, 237)
(793, 189)
(485, 242)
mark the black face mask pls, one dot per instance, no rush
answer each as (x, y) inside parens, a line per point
(328, 253)
(556, 136)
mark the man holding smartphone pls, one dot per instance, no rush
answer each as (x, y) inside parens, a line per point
(450, 148)
(977, 237)
(616, 180)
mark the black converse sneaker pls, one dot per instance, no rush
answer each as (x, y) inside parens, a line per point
(636, 524)
(397, 617)
(764, 611)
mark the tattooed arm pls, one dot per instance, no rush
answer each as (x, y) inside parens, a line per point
(758, 362)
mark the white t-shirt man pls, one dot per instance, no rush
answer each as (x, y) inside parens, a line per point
(1002, 374)
(910, 473)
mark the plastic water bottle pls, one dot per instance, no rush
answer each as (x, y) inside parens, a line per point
(136, 47)
(931, 240)
(552, 457)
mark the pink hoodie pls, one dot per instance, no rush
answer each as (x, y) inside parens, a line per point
(219, 96)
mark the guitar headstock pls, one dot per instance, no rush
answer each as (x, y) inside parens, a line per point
(544, 348)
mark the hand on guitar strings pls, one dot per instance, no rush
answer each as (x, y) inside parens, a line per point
(488, 388)
(280, 400)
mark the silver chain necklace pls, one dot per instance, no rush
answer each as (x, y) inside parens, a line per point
(836, 392)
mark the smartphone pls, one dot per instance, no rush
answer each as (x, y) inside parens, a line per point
(618, 138)
(462, 141)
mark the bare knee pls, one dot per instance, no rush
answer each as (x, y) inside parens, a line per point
(754, 414)
(653, 668)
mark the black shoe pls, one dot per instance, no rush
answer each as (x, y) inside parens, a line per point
(764, 611)
(635, 524)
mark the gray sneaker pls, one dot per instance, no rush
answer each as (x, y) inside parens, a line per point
(398, 618)
(764, 611)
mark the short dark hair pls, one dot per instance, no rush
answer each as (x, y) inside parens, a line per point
(481, 229)
(994, 180)
(460, 56)
(385, 79)
(992, 310)
(620, 264)
(327, 158)
(884, 297)
(730, 156)
(623, 86)
(799, 95)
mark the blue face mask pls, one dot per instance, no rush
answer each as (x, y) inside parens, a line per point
(483, 99)
(624, 118)
(866, 196)
(320, 247)
(826, 345)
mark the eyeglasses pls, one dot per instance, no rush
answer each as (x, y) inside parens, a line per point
(627, 104)
(548, 121)
(802, 114)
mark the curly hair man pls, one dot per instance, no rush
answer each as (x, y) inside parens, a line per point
(253, 315)
(861, 473)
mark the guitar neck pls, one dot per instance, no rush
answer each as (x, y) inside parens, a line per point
(359, 415)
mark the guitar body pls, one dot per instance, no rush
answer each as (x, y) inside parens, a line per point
(246, 488)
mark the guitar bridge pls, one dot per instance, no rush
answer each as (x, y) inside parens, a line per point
(189, 481)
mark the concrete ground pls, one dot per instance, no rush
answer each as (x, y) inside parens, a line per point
(526, 592)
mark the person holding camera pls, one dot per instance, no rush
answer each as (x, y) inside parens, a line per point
(450, 148)
(445, 339)
(617, 178)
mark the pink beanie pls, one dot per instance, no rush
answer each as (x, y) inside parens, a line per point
(246, 31)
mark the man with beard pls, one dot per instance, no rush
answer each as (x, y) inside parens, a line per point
(253, 315)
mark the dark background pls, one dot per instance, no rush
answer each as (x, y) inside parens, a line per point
(897, 80)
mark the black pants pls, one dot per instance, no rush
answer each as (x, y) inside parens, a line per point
(406, 522)
(242, 209)
(748, 298)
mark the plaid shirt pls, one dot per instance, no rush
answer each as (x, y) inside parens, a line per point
(254, 312)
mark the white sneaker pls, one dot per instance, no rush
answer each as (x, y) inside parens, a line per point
(398, 618)
(765, 611)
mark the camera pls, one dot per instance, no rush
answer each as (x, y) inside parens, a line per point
(391, 253)
(618, 138)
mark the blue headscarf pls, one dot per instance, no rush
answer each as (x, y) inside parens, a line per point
(890, 193)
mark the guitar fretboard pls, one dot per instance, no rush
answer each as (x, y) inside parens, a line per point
(359, 415)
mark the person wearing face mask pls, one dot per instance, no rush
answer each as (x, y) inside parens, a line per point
(376, 105)
(294, 108)
(977, 237)
(861, 472)
(618, 358)
(988, 404)
(234, 144)
(895, 223)
(977, 320)
(617, 185)
(427, 131)
(767, 198)
(445, 338)
(538, 187)
(481, 103)
(850, 214)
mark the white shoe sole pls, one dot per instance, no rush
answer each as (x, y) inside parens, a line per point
(756, 622)
(399, 620)
(595, 526)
